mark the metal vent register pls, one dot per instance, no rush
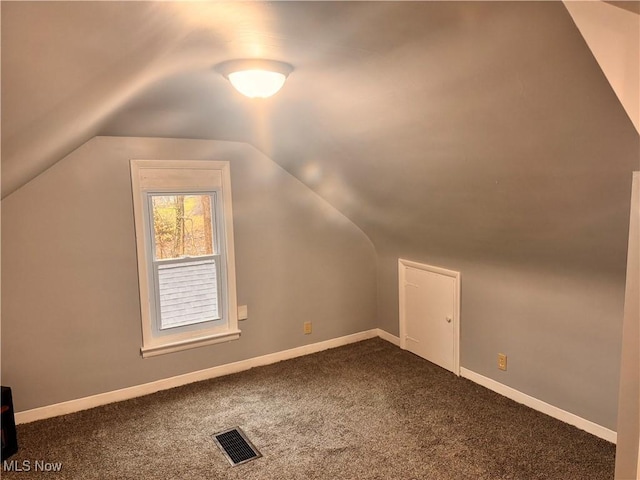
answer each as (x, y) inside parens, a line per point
(236, 446)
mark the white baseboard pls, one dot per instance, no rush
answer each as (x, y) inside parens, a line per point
(85, 403)
(388, 337)
(529, 401)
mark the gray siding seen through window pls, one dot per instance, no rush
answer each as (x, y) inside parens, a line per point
(188, 292)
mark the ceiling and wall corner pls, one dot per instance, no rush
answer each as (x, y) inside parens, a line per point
(478, 136)
(612, 31)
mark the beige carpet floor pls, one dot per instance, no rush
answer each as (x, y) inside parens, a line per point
(364, 411)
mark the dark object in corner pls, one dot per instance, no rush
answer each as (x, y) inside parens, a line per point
(8, 425)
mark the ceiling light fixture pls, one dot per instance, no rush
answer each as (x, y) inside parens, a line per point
(255, 78)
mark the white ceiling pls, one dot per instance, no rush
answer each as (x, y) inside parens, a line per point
(613, 36)
(476, 128)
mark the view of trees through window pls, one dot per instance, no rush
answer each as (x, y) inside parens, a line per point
(183, 226)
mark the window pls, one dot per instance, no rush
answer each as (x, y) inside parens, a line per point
(186, 268)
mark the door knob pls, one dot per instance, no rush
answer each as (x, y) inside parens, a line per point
(449, 319)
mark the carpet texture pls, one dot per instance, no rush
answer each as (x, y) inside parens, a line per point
(364, 411)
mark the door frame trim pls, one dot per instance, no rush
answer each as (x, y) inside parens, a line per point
(403, 264)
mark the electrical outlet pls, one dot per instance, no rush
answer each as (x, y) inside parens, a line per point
(502, 361)
(307, 328)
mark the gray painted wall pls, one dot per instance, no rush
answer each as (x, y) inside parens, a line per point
(560, 330)
(70, 285)
(70, 305)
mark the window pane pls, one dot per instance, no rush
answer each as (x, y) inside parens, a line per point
(188, 293)
(183, 226)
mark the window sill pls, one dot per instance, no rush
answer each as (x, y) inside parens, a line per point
(176, 346)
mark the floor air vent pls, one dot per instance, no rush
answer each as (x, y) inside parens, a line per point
(236, 446)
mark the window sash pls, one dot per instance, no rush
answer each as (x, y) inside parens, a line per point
(157, 327)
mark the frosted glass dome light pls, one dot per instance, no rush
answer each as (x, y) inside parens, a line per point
(255, 78)
(257, 83)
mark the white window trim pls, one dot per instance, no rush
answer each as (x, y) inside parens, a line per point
(158, 176)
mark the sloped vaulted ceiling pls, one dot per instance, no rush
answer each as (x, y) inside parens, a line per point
(478, 129)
